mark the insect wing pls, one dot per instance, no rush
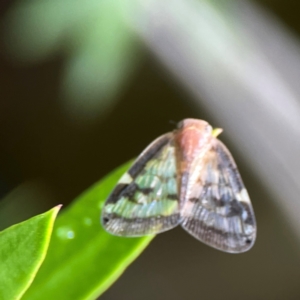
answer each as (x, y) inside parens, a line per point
(218, 210)
(145, 200)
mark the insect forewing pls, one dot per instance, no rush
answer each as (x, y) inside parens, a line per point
(145, 200)
(218, 210)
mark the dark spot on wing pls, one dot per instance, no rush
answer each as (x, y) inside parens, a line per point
(214, 194)
(129, 191)
(172, 196)
(145, 191)
(219, 202)
(105, 220)
(236, 208)
(225, 195)
(194, 200)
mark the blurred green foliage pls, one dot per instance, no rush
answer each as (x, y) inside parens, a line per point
(101, 50)
(83, 260)
(23, 248)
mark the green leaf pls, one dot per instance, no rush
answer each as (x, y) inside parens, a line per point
(83, 260)
(23, 248)
(101, 62)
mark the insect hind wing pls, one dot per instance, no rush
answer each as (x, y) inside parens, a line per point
(145, 200)
(220, 213)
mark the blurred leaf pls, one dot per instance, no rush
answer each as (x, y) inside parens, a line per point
(36, 29)
(23, 248)
(104, 55)
(102, 48)
(83, 260)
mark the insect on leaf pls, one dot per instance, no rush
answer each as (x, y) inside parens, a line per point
(185, 177)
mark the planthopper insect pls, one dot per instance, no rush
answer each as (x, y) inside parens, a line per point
(185, 177)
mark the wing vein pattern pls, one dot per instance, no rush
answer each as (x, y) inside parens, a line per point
(217, 209)
(145, 200)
